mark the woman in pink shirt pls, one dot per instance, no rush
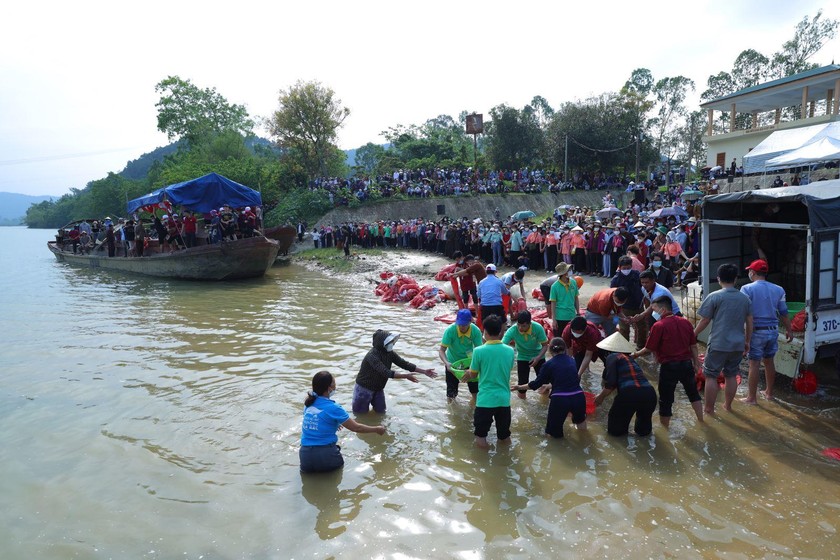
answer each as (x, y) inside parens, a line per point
(550, 245)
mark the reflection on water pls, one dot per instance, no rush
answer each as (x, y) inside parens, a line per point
(151, 419)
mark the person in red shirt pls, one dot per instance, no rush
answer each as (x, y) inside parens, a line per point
(582, 338)
(189, 229)
(673, 341)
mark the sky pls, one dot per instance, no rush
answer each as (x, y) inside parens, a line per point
(77, 97)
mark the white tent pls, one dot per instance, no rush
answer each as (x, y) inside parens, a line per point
(824, 149)
(785, 141)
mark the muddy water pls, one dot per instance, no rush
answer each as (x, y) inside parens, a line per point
(149, 419)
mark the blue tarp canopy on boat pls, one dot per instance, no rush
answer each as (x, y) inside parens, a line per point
(201, 195)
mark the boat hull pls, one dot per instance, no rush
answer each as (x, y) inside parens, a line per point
(229, 260)
(284, 235)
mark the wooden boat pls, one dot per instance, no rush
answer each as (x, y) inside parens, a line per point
(284, 235)
(250, 257)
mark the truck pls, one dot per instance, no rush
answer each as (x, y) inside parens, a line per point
(797, 231)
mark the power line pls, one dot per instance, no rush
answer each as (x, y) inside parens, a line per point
(599, 150)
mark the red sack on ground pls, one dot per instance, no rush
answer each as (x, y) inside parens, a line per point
(536, 293)
(386, 274)
(805, 383)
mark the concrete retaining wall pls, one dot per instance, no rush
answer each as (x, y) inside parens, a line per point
(482, 206)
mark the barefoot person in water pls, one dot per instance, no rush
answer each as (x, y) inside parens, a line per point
(729, 340)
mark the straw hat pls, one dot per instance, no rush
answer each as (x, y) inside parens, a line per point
(617, 343)
(562, 268)
(577, 228)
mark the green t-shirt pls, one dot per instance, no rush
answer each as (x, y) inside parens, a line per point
(493, 362)
(565, 298)
(528, 344)
(459, 345)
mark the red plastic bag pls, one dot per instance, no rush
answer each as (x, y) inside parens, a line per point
(805, 383)
(536, 293)
(798, 322)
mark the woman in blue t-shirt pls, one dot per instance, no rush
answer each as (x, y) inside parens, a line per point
(322, 418)
(567, 396)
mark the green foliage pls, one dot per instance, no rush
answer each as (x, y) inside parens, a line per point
(514, 138)
(439, 142)
(602, 135)
(307, 124)
(368, 158)
(334, 259)
(299, 204)
(185, 111)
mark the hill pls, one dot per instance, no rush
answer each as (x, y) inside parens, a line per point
(13, 207)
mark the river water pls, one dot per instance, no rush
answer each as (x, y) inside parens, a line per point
(142, 418)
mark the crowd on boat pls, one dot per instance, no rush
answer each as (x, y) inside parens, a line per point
(172, 231)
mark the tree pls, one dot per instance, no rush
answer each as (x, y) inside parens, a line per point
(368, 158)
(808, 38)
(670, 111)
(514, 138)
(185, 111)
(307, 123)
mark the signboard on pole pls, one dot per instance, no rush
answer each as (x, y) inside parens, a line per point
(475, 123)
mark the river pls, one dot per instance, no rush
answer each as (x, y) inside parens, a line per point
(143, 418)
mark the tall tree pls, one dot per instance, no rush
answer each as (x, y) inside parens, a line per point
(368, 158)
(194, 114)
(670, 112)
(808, 38)
(307, 123)
(514, 138)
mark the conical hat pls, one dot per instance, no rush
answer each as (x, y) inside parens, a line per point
(617, 343)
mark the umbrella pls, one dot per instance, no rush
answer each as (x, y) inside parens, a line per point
(523, 215)
(691, 194)
(669, 211)
(607, 213)
(565, 207)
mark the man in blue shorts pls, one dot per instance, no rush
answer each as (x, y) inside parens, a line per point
(768, 308)
(729, 340)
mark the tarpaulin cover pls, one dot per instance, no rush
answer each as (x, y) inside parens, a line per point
(822, 200)
(201, 195)
(784, 141)
(824, 149)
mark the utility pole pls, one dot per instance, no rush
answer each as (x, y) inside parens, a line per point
(636, 177)
(566, 160)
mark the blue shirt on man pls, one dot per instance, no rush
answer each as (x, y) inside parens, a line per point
(768, 302)
(490, 290)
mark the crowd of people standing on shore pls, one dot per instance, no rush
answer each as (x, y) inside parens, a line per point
(426, 183)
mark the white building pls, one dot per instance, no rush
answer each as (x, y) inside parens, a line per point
(764, 103)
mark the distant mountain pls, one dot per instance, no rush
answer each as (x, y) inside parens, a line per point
(13, 207)
(139, 168)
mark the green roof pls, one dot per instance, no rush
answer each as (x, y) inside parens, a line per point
(781, 81)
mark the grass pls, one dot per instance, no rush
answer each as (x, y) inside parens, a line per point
(334, 260)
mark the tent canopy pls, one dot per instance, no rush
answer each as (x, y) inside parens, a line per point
(783, 142)
(820, 199)
(201, 195)
(824, 149)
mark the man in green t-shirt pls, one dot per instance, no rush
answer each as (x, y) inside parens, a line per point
(491, 363)
(531, 343)
(458, 342)
(564, 301)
